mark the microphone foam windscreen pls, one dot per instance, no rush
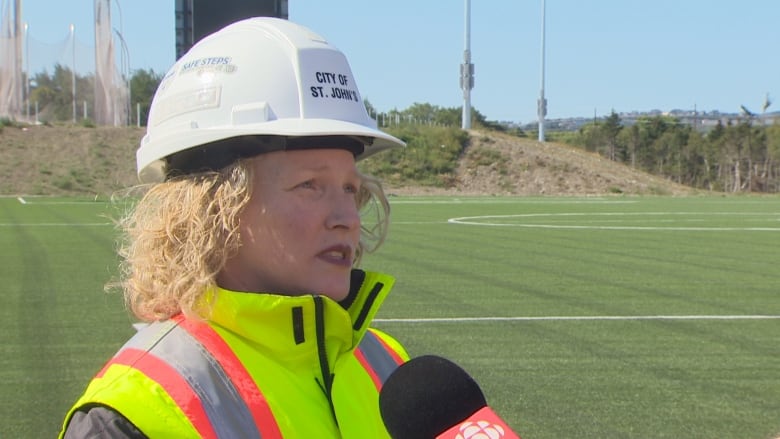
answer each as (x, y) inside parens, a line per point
(426, 396)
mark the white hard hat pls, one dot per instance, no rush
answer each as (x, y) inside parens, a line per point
(257, 85)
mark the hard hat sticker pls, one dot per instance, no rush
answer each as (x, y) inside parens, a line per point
(333, 86)
(212, 64)
(187, 101)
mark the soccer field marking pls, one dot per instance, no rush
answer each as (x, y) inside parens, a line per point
(44, 202)
(574, 318)
(55, 224)
(489, 200)
(479, 221)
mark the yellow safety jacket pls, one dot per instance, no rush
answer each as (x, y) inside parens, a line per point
(263, 366)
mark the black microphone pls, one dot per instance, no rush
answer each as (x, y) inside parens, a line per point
(430, 397)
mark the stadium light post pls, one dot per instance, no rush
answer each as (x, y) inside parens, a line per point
(121, 21)
(467, 70)
(73, 72)
(126, 70)
(125, 65)
(27, 70)
(542, 104)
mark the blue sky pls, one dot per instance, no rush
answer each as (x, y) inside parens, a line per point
(601, 55)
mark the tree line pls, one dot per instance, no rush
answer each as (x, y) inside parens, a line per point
(51, 95)
(735, 156)
(741, 156)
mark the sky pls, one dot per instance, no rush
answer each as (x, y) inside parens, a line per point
(600, 55)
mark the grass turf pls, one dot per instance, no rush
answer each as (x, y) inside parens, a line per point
(581, 282)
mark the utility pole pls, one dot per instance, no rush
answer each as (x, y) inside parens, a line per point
(467, 71)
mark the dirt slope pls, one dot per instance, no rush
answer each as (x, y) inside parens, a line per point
(500, 164)
(60, 160)
(65, 160)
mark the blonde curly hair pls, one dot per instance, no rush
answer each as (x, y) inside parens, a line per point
(180, 234)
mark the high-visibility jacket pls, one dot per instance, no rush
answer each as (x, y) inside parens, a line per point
(262, 366)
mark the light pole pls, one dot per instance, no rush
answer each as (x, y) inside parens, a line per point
(467, 70)
(125, 65)
(27, 70)
(542, 103)
(73, 72)
(121, 27)
(126, 69)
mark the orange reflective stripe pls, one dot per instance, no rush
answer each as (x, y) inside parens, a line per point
(377, 358)
(173, 383)
(172, 344)
(238, 375)
(370, 370)
(395, 355)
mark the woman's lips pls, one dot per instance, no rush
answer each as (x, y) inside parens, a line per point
(338, 255)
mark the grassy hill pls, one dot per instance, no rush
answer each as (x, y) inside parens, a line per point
(501, 164)
(67, 160)
(78, 160)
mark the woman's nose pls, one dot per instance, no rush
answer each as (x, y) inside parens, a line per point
(344, 212)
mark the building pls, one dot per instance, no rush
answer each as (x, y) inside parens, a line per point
(198, 18)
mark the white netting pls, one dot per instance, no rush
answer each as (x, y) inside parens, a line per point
(43, 56)
(111, 95)
(11, 60)
(102, 90)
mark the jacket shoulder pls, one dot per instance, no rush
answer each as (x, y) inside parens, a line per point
(391, 343)
(100, 421)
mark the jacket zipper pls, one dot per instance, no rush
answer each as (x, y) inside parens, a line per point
(327, 377)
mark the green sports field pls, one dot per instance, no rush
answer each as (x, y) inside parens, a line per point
(613, 317)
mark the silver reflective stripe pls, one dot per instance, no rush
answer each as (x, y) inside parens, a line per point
(228, 413)
(377, 356)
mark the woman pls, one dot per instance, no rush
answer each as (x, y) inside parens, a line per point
(241, 256)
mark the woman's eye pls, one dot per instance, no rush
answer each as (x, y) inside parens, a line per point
(308, 184)
(351, 189)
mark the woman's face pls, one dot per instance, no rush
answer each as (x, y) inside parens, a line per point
(301, 227)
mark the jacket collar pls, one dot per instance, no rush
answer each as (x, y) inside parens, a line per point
(287, 325)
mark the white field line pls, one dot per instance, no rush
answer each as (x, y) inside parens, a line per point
(481, 221)
(139, 326)
(55, 224)
(24, 201)
(45, 201)
(488, 200)
(615, 214)
(59, 203)
(678, 229)
(575, 318)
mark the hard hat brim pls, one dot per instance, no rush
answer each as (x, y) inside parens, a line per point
(151, 170)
